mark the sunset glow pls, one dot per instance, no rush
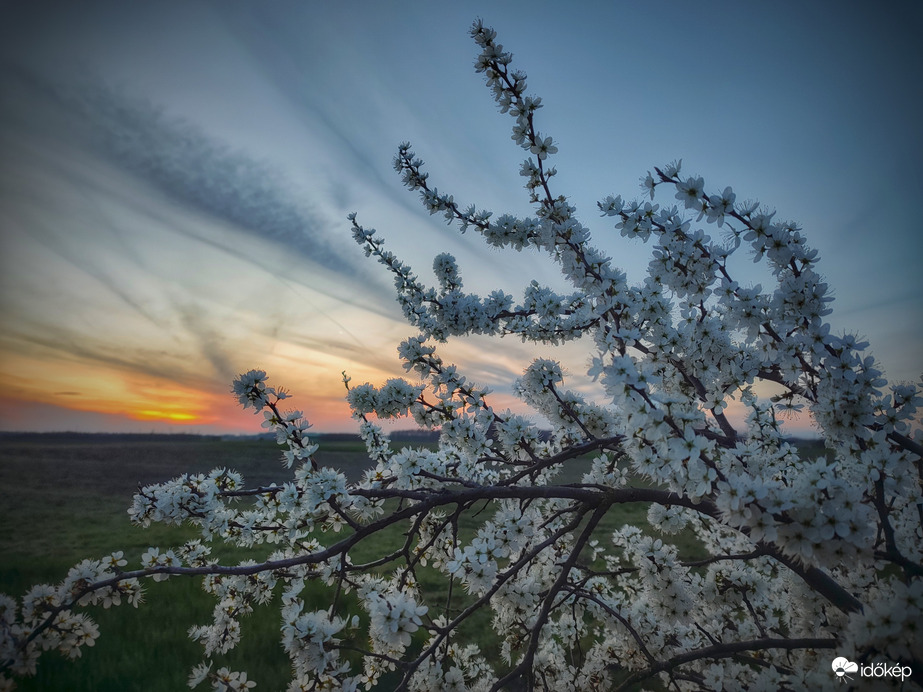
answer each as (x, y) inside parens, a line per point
(166, 415)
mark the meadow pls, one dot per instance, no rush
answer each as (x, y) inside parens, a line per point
(65, 498)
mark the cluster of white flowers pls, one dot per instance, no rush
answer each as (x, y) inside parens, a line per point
(46, 619)
(804, 556)
(306, 638)
(222, 680)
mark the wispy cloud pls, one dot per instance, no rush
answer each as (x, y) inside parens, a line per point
(207, 340)
(47, 343)
(190, 166)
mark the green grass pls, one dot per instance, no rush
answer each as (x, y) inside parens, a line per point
(66, 499)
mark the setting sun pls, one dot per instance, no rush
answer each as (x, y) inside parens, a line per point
(175, 416)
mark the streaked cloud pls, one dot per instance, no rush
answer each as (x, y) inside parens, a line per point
(178, 158)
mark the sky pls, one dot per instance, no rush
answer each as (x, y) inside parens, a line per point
(175, 179)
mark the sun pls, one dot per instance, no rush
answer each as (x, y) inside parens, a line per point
(175, 416)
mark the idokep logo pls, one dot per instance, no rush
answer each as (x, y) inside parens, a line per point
(845, 670)
(842, 667)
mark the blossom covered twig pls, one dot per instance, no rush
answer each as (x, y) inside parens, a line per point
(804, 556)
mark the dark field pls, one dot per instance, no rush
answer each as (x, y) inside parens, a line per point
(65, 498)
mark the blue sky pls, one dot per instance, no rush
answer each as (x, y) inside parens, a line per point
(175, 177)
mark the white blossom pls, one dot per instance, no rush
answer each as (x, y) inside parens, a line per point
(510, 512)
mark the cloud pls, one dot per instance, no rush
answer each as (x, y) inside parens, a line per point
(50, 344)
(208, 341)
(69, 123)
(190, 166)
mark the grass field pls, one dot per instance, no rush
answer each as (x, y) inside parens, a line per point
(65, 498)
